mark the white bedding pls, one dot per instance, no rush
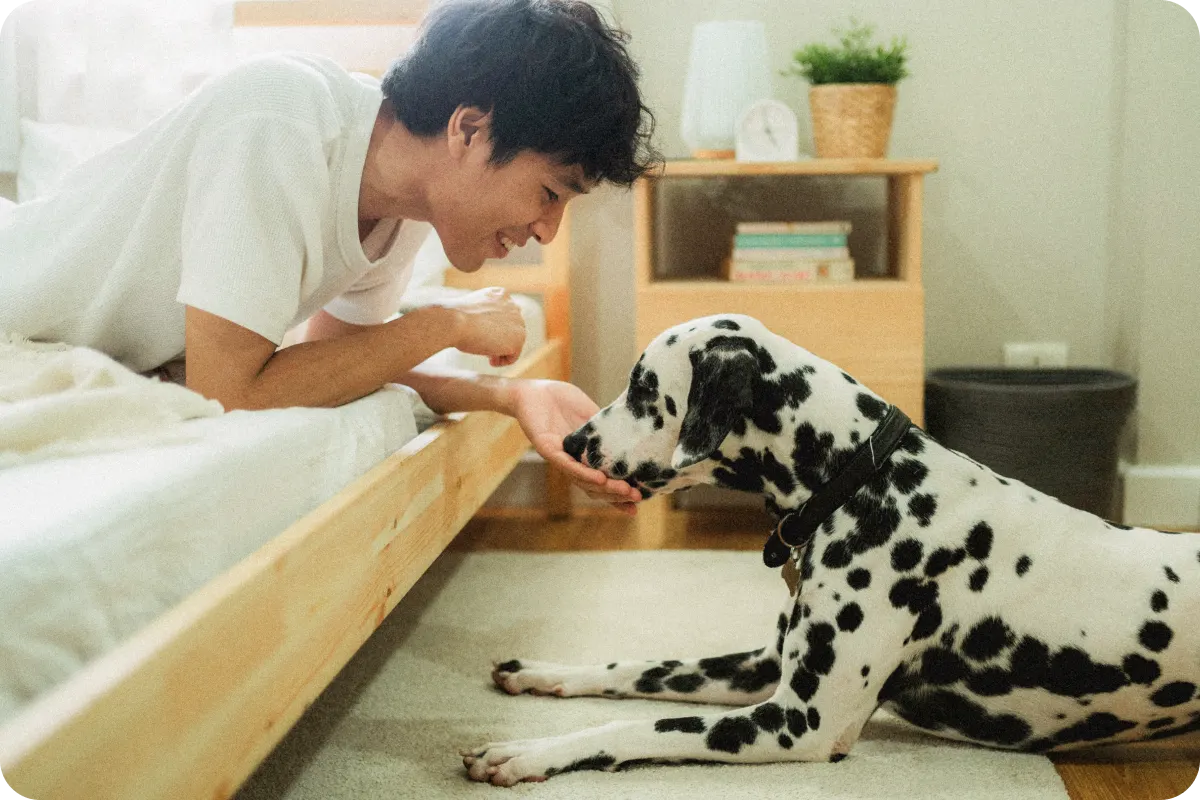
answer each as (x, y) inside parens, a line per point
(93, 547)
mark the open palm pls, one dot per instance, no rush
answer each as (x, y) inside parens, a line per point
(548, 411)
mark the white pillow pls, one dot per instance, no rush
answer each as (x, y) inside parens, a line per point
(50, 149)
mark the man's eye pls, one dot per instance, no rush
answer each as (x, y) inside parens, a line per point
(551, 196)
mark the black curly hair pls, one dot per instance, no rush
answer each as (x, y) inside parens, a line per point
(556, 77)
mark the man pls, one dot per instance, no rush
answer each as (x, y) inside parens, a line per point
(288, 191)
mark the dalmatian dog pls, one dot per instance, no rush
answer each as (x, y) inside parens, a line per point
(969, 604)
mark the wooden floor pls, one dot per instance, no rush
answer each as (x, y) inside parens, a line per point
(1151, 771)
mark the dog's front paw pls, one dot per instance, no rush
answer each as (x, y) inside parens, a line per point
(534, 677)
(510, 763)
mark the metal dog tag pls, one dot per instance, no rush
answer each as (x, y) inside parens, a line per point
(791, 575)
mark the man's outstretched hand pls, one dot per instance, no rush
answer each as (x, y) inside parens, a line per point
(548, 411)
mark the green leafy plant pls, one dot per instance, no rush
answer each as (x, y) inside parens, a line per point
(854, 61)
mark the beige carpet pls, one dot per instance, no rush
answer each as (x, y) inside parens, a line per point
(392, 723)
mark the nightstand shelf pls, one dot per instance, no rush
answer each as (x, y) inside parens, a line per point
(873, 327)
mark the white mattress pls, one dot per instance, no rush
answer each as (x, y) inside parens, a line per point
(94, 547)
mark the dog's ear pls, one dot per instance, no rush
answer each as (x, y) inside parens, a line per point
(721, 394)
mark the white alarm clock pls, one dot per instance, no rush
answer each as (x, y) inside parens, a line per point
(766, 131)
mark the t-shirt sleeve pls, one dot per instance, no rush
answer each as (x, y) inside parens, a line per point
(252, 222)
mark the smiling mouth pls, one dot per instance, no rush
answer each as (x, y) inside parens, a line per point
(506, 243)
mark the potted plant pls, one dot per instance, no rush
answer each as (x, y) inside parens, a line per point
(853, 91)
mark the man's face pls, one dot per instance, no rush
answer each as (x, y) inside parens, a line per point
(481, 210)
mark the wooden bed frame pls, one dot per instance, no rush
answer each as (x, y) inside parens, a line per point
(191, 704)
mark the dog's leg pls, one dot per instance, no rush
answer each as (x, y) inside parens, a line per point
(762, 733)
(738, 679)
(815, 713)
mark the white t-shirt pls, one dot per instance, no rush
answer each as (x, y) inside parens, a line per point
(242, 202)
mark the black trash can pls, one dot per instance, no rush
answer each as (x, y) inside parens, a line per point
(1057, 430)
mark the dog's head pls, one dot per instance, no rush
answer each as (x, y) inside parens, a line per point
(692, 387)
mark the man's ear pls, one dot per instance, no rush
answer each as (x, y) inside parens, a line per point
(465, 127)
(722, 392)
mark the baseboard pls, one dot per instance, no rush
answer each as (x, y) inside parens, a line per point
(1162, 496)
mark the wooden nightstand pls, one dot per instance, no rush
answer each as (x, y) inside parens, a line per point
(874, 328)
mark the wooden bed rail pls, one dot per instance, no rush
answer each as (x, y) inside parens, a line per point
(190, 705)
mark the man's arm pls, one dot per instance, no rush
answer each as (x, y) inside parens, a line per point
(242, 369)
(547, 410)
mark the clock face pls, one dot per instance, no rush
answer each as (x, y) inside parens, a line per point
(767, 132)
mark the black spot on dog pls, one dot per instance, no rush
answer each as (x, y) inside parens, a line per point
(1158, 601)
(509, 666)
(620, 469)
(1155, 636)
(987, 639)
(870, 407)
(1171, 576)
(1030, 663)
(942, 667)
(727, 324)
(684, 684)
(865, 671)
(942, 559)
(914, 594)
(750, 469)
(797, 724)
(836, 757)
(814, 719)
(768, 716)
(804, 683)
(908, 475)
(1023, 564)
(979, 579)
(979, 541)
(922, 507)
(680, 724)
(642, 391)
(730, 734)
(1140, 669)
(1161, 722)
(928, 621)
(1094, 728)
(672, 339)
(1174, 694)
(669, 402)
(858, 578)
(991, 682)
(906, 555)
(850, 617)
(785, 741)
(601, 761)
(820, 655)
(849, 379)
(1073, 673)
(942, 709)
(1188, 727)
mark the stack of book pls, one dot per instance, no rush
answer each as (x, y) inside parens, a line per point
(785, 252)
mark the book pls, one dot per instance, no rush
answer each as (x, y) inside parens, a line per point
(780, 240)
(833, 226)
(791, 271)
(789, 253)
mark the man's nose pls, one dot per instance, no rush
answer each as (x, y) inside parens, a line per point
(546, 228)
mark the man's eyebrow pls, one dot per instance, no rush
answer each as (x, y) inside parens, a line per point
(574, 185)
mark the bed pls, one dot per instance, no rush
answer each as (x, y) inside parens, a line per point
(188, 703)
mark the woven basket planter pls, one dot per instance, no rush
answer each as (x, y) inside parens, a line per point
(852, 120)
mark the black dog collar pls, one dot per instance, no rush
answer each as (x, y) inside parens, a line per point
(796, 528)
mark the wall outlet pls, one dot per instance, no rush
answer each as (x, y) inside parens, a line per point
(1035, 354)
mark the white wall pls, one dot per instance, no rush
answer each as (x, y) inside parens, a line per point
(1066, 206)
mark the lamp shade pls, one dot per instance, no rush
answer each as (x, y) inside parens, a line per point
(727, 71)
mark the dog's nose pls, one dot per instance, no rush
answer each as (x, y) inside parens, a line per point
(574, 445)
